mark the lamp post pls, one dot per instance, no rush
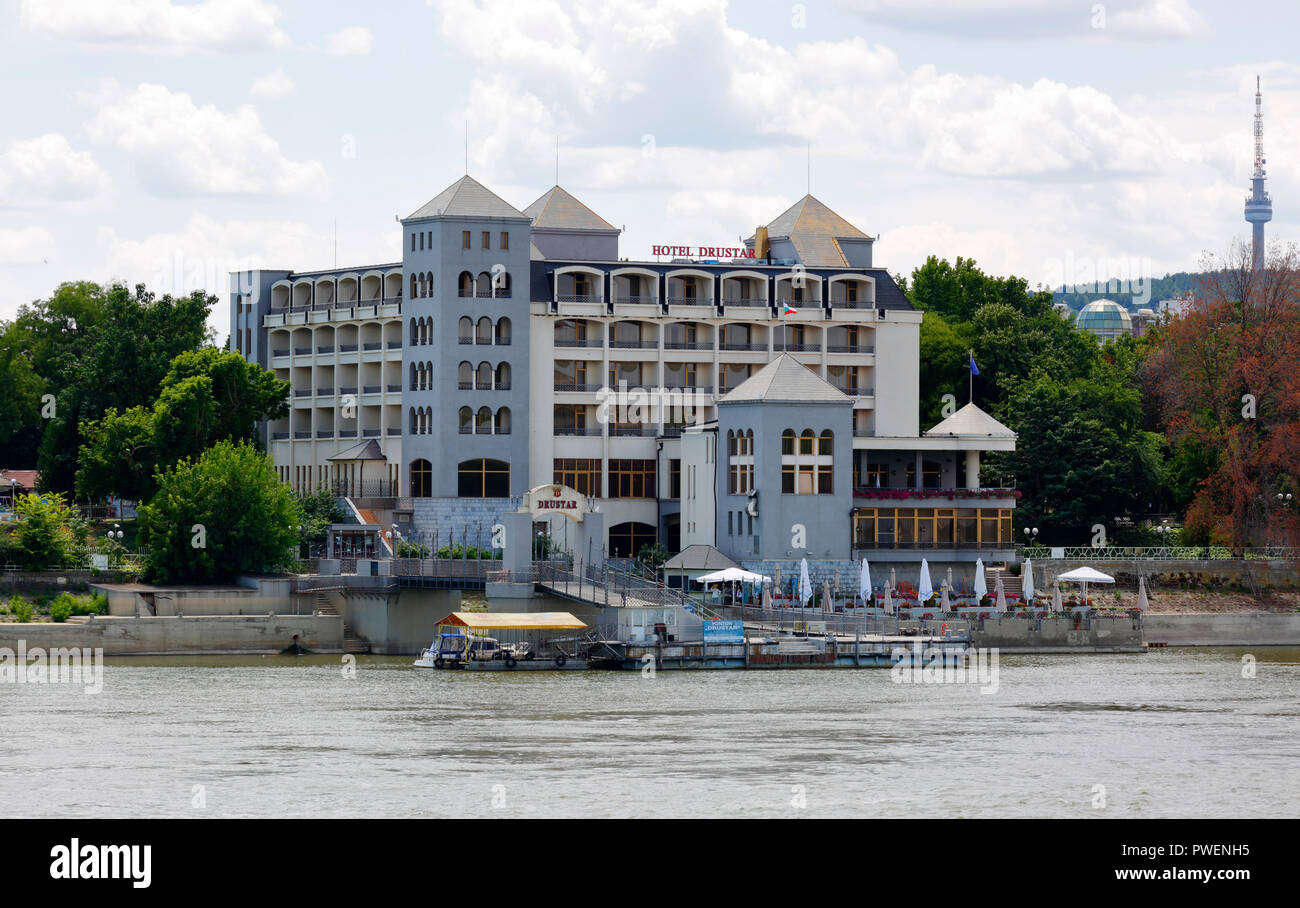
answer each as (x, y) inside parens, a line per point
(1031, 536)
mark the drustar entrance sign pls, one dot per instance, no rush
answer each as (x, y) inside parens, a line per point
(547, 500)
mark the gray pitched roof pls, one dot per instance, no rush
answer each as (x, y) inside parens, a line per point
(971, 420)
(699, 558)
(467, 198)
(558, 209)
(787, 380)
(813, 228)
(366, 450)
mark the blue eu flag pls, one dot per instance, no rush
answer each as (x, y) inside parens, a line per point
(974, 369)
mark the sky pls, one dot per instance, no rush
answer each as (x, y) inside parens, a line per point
(170, 142)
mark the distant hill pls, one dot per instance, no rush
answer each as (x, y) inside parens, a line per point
(1160, 288)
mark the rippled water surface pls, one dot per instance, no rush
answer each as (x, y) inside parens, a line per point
(1177, 732)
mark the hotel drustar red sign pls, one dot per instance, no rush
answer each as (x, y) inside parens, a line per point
(704, 252)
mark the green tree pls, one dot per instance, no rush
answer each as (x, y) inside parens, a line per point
(47, 533)
(119, 363)
(221, 515)
(319, 510)
(207, 395)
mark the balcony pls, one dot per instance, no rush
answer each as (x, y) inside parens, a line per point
(324, 392)
(854, 390)
(579, 342)
(727, 345)
(283, 351)
(302, 392)
(688, 345)
(576, 431)
(279, 436)
(689, 301)
(393, 430)
(302, 351)
(393, 389)
(301, 436)
(633, 345)
(325, 433)
(850, 348)
(577, 298)
(349, 389)
(372, 345)
(581, 387)
(636, 301)
(796, 348)
(633, 431)
(347, 348)
(369, 433)
(371, 389)
(328, 348)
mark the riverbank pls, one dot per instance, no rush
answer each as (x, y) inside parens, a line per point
(201, 635)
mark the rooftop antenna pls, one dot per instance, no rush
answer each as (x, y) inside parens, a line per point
(467, 148)
(809, 190)
(557, 160)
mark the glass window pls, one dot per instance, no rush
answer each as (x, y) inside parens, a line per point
(483, 478)
(580, 474)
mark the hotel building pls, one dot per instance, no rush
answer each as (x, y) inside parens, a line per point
(693, 399)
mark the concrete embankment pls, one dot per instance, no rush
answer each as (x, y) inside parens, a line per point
(208, 634)
(1059, 635)
(1225, 629)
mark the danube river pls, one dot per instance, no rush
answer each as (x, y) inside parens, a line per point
(1178, 732)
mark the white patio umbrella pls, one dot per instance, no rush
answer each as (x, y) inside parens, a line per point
(805, 583)
(981, 587)
(1001, 604)
(1086, 575)
(1027, 580)
(924, 586)
(864, 584)
(1143, 604)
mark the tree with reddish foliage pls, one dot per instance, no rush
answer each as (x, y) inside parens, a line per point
(1226, 375)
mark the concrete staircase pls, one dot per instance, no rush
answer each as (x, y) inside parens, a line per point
(1010, 582)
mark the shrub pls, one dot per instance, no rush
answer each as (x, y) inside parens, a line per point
(22, 609)
(61, 608)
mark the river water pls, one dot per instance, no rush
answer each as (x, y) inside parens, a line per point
(1178, 732)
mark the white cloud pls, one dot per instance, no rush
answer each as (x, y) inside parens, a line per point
(353, 41)
(46, 169)
(25, 245)
(1007, 19)
(181, 148)
(158, 26)
(201, 253)
(274, 84)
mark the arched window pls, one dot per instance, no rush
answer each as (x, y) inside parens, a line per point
(502, 421)
(415, 332)
(483, 421)
(503, 331)
(465, 330)
(426, 331)
(414, 385)
(740, 462)
(808, 467)
(465, 284)
(483, 478)
(414, 282)
(466, 420)
(503, 377)
(483, 377)
(421, 479)
(502, 288)
(626, 539)
(484, 332)
(415, 427)
(465, 376)
(483, 286)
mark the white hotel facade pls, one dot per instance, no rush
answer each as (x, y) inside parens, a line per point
(434, 391)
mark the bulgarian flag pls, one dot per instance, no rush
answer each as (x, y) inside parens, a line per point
(787, 309)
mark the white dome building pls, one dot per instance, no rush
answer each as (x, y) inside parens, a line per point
(1106, 319)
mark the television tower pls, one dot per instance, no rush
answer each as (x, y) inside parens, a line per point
(1259, 207)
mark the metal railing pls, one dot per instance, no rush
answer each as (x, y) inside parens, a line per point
(1162, 553)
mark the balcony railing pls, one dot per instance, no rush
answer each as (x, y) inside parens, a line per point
(326, 348)
(579, 342)
(575, 386)
(324, 392)
(633, 345)
(850, 348)
(302, 392)
(371, 389)
(633, 431)
(577, 298)
(283, 351)
(279, 436)
(372, 345)
(347, 433)
(903, 493)
(728, 345)
(854, 390)
(364, 488)
(755, 301)
(394, 345)
(393, 430)
(348, 389)
(683, 386)
(796, 348)
(853, 304)
(299, 436)
(636, 300)
(325, 433)
(394, 389)
(369, 433)
(689, 301)
(347, 348)
(577, 431)
(302, 351)
(688, 345)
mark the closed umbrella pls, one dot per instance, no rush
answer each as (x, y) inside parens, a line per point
(826, 595)
(1056, 597)
(946, 604)
(924, 586)
(767, 597)
(888, 604)
(776, 579)
(1027, 580)
(1002, 596)
(864, 583)
(805, 583)
(893, 581)
(981, 587)
(1143, 604)
(950, 586)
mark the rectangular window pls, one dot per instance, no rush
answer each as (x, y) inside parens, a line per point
(729, 530)
(631, 478)
(413, 242)
(580, 474)
(787, 478)
(505, 240)
(675, 478)
(421, 242)
(464, 239)
(487, 239)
